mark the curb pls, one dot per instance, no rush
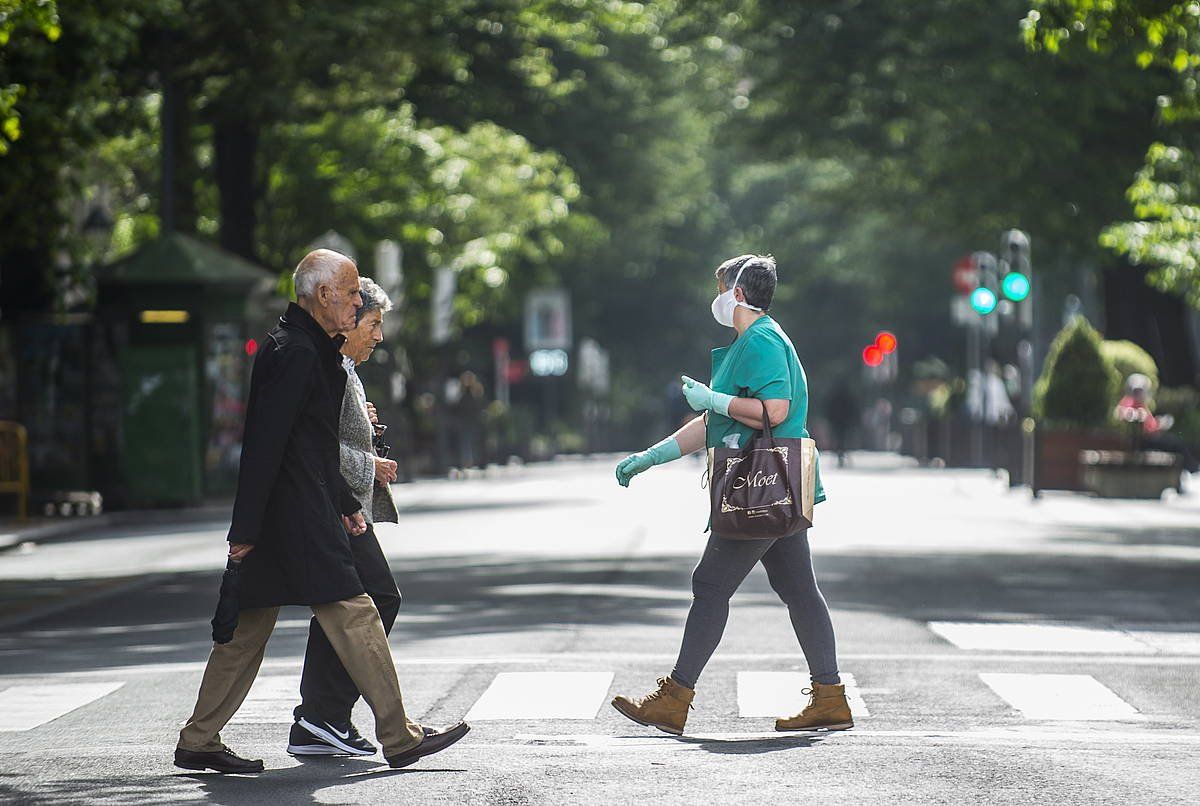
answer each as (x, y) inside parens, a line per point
(72, 528)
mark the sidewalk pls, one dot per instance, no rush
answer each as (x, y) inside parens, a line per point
(48, 530)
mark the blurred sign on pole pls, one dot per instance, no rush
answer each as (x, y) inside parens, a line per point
(547, 320)
(549, 363)
(502, 361)
(332, 239)
(389, 273)
(965, 275)
(594, 372)
(961, 312)
(442, 303)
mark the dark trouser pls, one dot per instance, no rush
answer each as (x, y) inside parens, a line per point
(725, 564)
(326, 690)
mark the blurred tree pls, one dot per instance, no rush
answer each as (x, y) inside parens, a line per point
(40, 16)
(74, 96)
(1163, 37)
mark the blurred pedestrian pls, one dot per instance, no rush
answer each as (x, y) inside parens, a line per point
(322, 724)
(761, 366)
(844, 416)
(293, 520)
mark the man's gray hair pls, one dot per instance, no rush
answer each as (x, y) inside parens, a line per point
(758, 280)
(374, 298)
(318, 267)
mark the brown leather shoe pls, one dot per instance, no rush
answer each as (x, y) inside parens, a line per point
(432, 743)
(665, 708)
(223, 760)
(827, 708)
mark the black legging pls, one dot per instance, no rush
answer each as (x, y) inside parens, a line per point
(725, 564)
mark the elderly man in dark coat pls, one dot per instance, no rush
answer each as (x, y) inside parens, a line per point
(293, 520)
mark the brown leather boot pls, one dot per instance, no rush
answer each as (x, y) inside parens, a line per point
(666, 708)
(827, 708)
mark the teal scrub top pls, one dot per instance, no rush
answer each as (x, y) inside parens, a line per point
(761, 363)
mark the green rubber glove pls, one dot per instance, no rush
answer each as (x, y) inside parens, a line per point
(700, 397)
(661, 453)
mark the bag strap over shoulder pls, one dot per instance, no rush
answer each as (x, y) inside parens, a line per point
(766, 429)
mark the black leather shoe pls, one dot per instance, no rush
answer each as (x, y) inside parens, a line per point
(434, 742)
(224, 760)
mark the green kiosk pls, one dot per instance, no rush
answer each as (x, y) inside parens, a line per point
(174, 313)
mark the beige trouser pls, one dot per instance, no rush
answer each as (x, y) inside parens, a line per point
(356, 633)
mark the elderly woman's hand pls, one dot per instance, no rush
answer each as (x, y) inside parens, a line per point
(372, 415)
(385, 470)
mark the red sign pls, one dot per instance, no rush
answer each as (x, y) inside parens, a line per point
(964, 275)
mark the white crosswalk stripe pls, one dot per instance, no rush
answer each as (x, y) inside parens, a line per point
(27, 707)
(543, 695)
(1076, 697)
(270, 701)
(762, 694)
(1057, 638)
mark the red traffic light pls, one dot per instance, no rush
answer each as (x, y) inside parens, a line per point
(872, 355)
(251, 347)
(886, 342)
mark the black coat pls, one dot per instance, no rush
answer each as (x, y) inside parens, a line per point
(291, 494)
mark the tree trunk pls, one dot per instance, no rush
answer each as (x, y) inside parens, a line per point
(177, 205)
(235, 143)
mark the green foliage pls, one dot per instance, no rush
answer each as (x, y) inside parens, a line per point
(1078, 383)
(1182, 403)
(483, 202)
(1167, 234)
(1166, 37)
(1128, 358)
(39, 17)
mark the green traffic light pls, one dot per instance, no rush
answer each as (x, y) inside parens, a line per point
(1015, 286)
(983, 300)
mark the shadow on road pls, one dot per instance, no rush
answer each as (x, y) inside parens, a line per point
(447, 597)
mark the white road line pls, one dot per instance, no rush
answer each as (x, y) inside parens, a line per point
(1060, 696)
(270, 701)
(543, 695)
(26, 707)
(779, 694)
(1057, 638)
(993, 736)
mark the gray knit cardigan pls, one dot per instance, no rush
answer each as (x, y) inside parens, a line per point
(358, 452)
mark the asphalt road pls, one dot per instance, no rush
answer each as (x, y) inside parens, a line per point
(1001, 651)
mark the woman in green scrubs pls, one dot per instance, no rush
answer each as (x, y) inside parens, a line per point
(760, 366)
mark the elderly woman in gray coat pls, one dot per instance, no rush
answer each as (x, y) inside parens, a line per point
(322, 720)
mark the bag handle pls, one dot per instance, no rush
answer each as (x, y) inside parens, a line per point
(766, 429)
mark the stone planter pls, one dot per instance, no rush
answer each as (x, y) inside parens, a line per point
(1056, 456)
(1130, 474)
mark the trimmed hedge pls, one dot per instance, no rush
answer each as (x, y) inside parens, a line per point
(1079, 384)
(1129, 358)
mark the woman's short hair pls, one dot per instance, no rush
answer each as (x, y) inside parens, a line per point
(758, 280)
(374, 298)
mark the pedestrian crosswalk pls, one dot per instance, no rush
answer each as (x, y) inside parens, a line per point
(1075, 697)
(572, 695)
(26, 707)
(551, 694)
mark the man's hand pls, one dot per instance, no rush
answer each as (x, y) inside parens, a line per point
(385, 470)
(238, 551)
(355, 524)
(372, 415)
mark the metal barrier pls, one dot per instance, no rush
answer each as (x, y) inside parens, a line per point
(14, 465)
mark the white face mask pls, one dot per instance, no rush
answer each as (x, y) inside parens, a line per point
(724, 304)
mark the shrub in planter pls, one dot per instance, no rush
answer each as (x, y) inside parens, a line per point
(1129, 358)
(1182, 403)
(1079, 384)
